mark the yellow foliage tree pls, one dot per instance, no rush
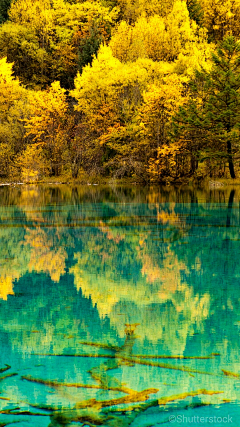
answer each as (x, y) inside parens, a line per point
(132, 10)
(36, 14)
(20, 45)
(33, 163)
(221, 18)
(170, 163)
(180, 29)
(121, 41)
(155, 37)
(110, 84)
(47, 124)
(13, 109)
(56, 25)
(105, 93)
(98, 87)
(159, 106)
(146, 39)
(109, 94)
(195, 56)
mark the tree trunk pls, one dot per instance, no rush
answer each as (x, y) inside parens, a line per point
(230, 160)
(193, 165)
(230, 205)
(75, 168)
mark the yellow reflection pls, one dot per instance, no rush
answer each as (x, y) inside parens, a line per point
(6, 286)
(181, 311)
(14, 266)
(45, 255)
(111, 233)
(167, 217)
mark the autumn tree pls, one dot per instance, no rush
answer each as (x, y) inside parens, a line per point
(130, 10)
(156, 37)
(211, 120)
(108, 94)
(33, 163)
(158, 108)
(221, 18)
(103, 80)
(146, 39)
(46, 126)
(195, 56)
(160, 103)
(14, 107)
(81, 28)
(21, 46)
(51, 35)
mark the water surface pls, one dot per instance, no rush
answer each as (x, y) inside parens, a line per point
(119, 306)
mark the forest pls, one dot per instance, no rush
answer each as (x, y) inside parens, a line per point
(100, 89)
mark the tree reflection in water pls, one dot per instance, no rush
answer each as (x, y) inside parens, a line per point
(91, 268)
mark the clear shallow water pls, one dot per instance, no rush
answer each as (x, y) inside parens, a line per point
(119, 307)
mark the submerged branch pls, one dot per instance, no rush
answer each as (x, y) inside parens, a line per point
(17, 411)
(165, 400)
(166, 366)
(56, 384)
(140, 396)
(141, 356)
(107, 356)
(87, 411)
(8, 376)
(5, 369)
(230, 374)
(99, 345)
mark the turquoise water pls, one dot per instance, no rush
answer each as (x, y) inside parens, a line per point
(119, 306)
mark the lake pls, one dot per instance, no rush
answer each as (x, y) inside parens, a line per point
(119, 306)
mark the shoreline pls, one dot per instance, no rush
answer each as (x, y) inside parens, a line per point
(210, 183)
(219, 183)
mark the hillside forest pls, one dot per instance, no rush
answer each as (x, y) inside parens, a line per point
(119, 88)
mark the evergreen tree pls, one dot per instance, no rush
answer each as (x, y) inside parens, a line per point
(211, 119)
(195, 11)
(4, 6)
(89, 45)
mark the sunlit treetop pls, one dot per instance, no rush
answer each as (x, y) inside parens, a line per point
(58, 17)
(11, 91)
(158, 38)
